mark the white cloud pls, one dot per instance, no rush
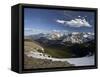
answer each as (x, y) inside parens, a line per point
(60, 21)
(79, 16)
(56, 30)
(31, 30)
(75, 23)
(60, 30)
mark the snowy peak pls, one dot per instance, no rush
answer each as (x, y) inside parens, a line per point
(77, 37)
(74, 37)
(54, 35)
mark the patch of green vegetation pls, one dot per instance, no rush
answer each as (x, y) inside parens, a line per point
(58, 52)
(52, 50)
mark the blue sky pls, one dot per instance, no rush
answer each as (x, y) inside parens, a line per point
(44, 21)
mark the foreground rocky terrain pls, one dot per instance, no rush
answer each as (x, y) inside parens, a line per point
(35, 63)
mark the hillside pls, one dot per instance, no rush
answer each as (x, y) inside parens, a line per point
(38, 56)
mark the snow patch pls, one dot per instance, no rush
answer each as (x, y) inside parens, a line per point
(83, 61)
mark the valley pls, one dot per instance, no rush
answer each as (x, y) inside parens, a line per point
(58, 51)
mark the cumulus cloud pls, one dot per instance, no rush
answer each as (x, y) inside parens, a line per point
(60, 21)
(77, 22)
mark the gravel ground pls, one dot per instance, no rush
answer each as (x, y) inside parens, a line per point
(34, 63)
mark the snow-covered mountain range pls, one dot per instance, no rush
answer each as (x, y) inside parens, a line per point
(77, 37)
(74, 37)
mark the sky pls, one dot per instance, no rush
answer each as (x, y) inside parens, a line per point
(48, 20)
